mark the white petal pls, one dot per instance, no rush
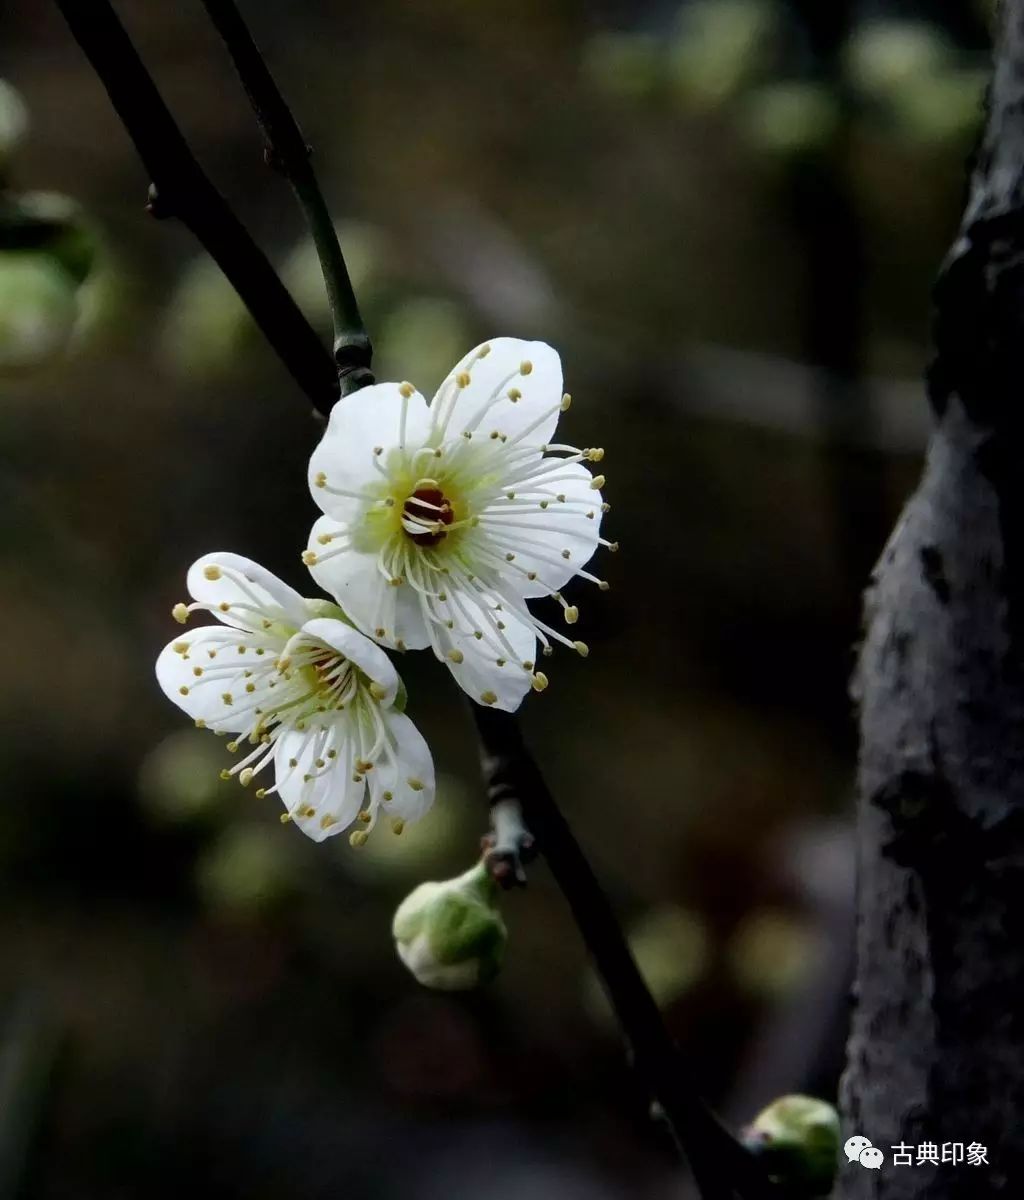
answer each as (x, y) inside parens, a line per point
(366, 655)
(203, 698)
(408, 759)
(363, 422)
(484, 405)
(539, 537)
(355, 580)
(479, 674)
(252, 591)
(331, 791)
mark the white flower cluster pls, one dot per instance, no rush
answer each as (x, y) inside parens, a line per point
(440, 522)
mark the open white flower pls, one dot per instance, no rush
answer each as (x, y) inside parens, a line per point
(442, 520)
(302, 690)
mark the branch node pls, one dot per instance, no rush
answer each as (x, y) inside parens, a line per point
(509, 846)
(157, 204)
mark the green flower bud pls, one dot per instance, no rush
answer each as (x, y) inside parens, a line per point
(13, 122)
(792, 117)
(52, 224)
(38, 310)
(722, 46)
(797, 1140)
(450, 935)
(882, 56)
(941, 111)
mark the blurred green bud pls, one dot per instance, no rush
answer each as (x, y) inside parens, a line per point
(626, 65)
(670, 946)
(13, 122)
(772, 951)
(206, 328)
(38, 310)
(792, 117)
(882, 56)
(52, 224)
(179, 780)
(450, 935)
(941, 111)
(248, 869)
(797, 1140)
(721, 47)
(365, 251)
(427, 331)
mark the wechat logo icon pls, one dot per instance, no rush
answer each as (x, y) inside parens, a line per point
(860, 1150)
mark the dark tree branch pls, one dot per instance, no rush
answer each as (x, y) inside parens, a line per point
(511, 773)
(722, 1166)
(936, 1051)
(183, 190)
(288, 152)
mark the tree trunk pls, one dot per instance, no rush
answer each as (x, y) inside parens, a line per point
(936, 1052)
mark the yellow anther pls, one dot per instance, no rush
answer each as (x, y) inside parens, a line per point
(597, 482)
(232, 747)
(594, 454)
(320, 479)
(180, 647)
(613, 547)
(531, 575)
(565, 553)
(364, 765)
(285, 818)
(320, 764)
(357, 837)
(500, 661)
(478, 634)
(488, 697)
(484, 350)
(455, 656)
(260, 793)
(527, 665)
(606, 508)
(510, 557)
(332, 754)
(364, 816)
(380, 632)
(293, 762)
(566, 401)
(225, 774)
(224, 606)
(325, 539)
(326, 821)
(544, 503)
(539, 681)
(417, 785)
(227, 698)
(309, 558)
(200, 723)
(396, 581)
(397, 825)
(212, 571)
(582, 649)
(180, 613)
(571, 614)
(405, 390)
(462, 379)
(387, 797)
(603, 585)
(250, 688)
(525, 367)
(400, 645)
(560, 497)
(378, 451)
(183, 690)
(245, 776)
(514, 394)
(308, 811)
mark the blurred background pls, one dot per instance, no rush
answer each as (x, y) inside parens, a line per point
(727, 215)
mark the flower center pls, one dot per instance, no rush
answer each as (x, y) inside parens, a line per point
(426, 514)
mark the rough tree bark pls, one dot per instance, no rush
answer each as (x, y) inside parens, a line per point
(936, 1052)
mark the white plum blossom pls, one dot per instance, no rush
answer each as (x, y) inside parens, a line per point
(443, 519)
(300, 688)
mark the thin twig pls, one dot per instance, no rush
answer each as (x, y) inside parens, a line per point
(714, 1154)
(183, 190)
(288, 152)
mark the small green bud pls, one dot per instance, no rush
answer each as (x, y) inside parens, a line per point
(882, 55)
(13, 122)
(791, 117)
(38, 310)
(796, 1138)
(450, 935)
(52, 224)
(721, 48)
